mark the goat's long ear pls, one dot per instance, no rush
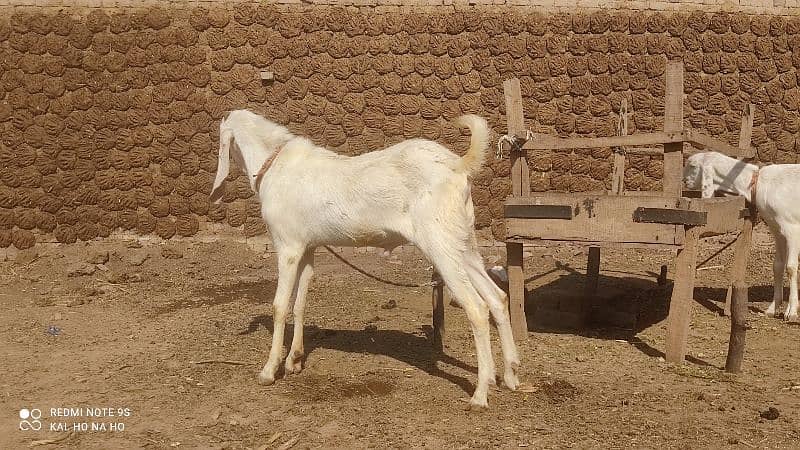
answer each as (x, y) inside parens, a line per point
(708, 187)
(224, 164)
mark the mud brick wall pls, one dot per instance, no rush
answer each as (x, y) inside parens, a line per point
(108, 117)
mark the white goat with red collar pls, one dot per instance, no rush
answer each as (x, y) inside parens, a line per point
(777, 197)
(416, 191)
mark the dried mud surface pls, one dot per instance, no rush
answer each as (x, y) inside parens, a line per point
(131, 331)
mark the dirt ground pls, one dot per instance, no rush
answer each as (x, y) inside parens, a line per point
(131, 325)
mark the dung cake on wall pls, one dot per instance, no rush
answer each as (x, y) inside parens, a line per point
(109, 117)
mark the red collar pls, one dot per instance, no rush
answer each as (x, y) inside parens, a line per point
(265, 167)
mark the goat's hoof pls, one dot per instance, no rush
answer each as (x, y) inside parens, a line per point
(769, 313)
(266, 380)
(475, 406)
(510, 380)
(293, 367)
(793, 318)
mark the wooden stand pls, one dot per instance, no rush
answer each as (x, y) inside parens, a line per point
(664, 220)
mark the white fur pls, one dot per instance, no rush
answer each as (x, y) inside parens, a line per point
(778, 203)
(415, 191)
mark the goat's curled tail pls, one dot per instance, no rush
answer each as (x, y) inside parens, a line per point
(473, 160)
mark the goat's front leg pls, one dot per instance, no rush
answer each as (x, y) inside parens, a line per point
(294, 359)
(778, 270)
(288, 262)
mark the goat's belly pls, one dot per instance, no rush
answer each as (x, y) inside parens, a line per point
(365, 238)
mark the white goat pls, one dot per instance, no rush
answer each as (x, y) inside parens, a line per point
(415, 191)
(777, 197)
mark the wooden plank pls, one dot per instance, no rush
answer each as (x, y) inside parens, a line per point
(646, 199)
(738, 269)
(673, 123)
(516, 291)
(706, 142)
(739, 327)
(680, 306)
(746, 131)
(547, 243)
(724, 214)
(601, 218)
(538, 211)
(741, 250)
(437, 299)
(551, 143)
(515, 116)
(669, 215)
(618, 169)
(645, 151)
(662, 276)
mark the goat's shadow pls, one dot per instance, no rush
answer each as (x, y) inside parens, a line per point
(415, 349)
(713, 298)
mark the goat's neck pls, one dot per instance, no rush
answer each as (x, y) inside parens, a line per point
(253, 161)
(735, 177)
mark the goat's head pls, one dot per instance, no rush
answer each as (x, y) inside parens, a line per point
(698, 174)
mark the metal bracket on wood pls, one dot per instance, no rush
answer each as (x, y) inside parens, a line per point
(539, 212)
(670, 216)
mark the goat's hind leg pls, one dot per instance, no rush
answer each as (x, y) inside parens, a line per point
(778, 271)
(288, 262)
(792, 251)
(456, 278)
(496, 299)
(294, 359)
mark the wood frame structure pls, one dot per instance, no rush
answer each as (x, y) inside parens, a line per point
(664, 219)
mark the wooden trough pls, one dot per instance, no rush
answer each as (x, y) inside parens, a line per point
(654, 220)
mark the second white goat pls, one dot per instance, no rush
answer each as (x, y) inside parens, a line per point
(415, 191)
(777, 197)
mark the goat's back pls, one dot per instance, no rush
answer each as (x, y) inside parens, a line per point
(365, 199)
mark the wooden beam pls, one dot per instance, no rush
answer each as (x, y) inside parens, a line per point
(680, 306)
(539, 212)
(618, 170)
(645, 151)
(536, 242)
(741, 251)
(515, 116)
(739, 326)
(551, 143)
(746, 131)
(673, 123)
(516, 291)
(706, 142)
(670, 216)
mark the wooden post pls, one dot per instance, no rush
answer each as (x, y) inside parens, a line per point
(437, 298)
(592, 281)
(673, 123)
(739, 328)
(520, 176)
(618, 172)
(521, 187)
(680, 306)
(741, 251)
(662, 277)
(516, 290)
